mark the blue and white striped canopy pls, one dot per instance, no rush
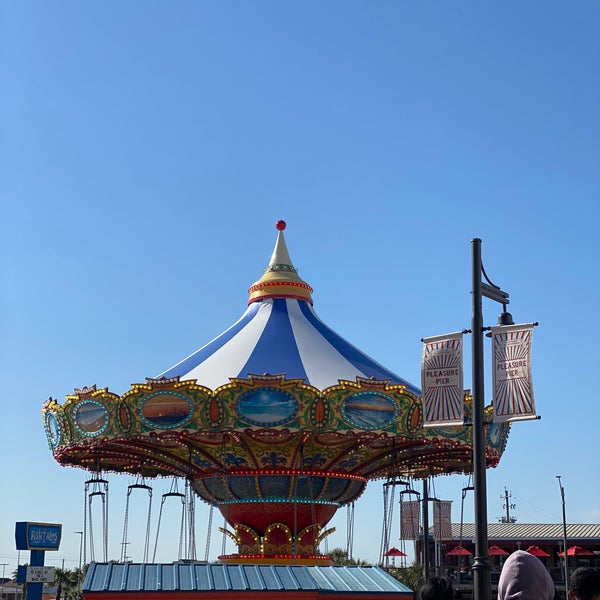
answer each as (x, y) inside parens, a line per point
(280, 333)
(281, 336)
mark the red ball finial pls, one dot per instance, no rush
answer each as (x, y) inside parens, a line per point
(280, 225)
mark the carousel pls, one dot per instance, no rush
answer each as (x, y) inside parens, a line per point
(277, 422)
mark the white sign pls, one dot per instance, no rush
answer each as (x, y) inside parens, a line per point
(442, 380)
(40, 575)
(442, 523)
(513, 389)
(410, 520)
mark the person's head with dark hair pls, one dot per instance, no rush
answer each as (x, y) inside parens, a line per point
(584, 584)
(436, 588)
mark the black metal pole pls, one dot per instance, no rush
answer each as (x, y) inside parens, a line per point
(564, 518)
(425, 505)
(79, 578)
(481, 564)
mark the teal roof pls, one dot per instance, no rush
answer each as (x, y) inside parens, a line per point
(192, 577)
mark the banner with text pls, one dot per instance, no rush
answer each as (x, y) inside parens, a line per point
(442, 524)
(410, 520)
(442, 380)
(513, 389)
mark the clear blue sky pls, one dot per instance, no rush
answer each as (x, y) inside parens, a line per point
(147, 149)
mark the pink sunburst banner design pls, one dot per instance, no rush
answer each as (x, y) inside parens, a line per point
(442, 380)
(442, 522)
(410, 520)
(513, 389)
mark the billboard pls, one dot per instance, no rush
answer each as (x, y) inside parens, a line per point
(37, 536)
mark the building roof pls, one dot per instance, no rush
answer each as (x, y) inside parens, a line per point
(584, 532)
(194, 577)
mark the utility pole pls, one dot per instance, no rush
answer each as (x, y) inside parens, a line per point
(507, 506)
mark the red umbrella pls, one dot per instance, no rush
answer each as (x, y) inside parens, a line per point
(536, 551)
(497, 551)
(459, 551)
(577, 551)
(394, 552)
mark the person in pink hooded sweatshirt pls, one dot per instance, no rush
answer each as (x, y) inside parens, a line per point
(524, 577)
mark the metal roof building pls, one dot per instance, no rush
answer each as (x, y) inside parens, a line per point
(108, 581)
(547, 537)
(538, 532)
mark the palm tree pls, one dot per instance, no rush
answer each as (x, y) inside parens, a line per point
(412, 576)
(67, 583)
(340, 558)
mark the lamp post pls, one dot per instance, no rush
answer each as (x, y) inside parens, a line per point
(80, 534)
(481, 563)
(564, 518)
(4, 565)
(426, 499)
(425, 508)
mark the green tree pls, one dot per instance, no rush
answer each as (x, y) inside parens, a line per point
(412, 576)
(340, 558)
(67, 582)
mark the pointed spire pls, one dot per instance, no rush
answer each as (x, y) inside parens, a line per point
(280, 255)
(280, 278)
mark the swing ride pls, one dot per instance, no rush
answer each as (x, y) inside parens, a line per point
(277, 422)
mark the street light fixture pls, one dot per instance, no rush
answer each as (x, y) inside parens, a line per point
(564, 518)
(80, 534)
(481, 564)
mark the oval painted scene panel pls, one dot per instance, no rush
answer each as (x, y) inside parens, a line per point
(53, 429)
(267, 407)
(91, 418)
(166, 410)
(369, 410)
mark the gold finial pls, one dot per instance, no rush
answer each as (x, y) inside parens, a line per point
(280, 278)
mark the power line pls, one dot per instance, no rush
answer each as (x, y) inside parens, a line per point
(536, 508)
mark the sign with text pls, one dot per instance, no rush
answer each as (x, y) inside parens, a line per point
(40, 575)
(442, 380)
(37, 536)
(513, 389)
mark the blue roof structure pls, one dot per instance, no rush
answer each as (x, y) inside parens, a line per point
(195, 577)
(280, 333)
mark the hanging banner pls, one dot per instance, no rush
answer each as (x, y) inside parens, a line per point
(442, 380)
(513, 389)
(410, 520)
(442, 524)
